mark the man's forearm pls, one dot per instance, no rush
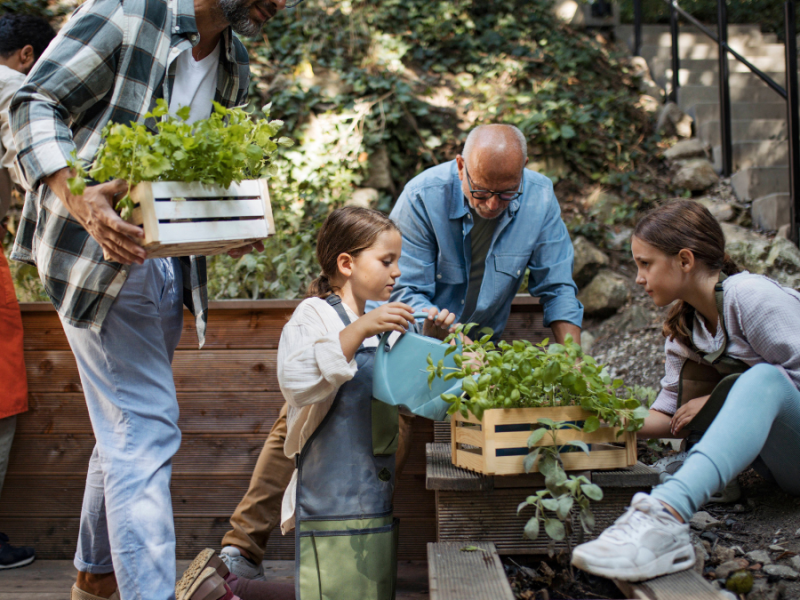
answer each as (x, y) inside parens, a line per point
(563, 328)
(58, 183)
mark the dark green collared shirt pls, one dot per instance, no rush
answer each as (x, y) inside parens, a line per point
(109, 63)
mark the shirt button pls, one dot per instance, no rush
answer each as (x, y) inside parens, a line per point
(439, 276)
(193, 37)
(518, 271)
(462, 302)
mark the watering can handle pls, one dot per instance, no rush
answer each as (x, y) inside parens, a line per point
(385, 335)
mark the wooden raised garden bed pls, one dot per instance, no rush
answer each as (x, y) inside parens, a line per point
(180, 219)
(497, 444)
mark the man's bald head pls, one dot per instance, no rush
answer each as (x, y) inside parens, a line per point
(496, 152)
(494, 158)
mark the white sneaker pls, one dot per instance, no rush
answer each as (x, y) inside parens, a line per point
(669, 465)
(241, 566)
(645, 542)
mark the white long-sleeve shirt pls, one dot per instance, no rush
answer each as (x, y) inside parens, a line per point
(763, 323)
(311, 369)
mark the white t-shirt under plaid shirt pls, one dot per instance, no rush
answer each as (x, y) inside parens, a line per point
(763, 323)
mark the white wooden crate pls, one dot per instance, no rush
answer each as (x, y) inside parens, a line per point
(181, 219)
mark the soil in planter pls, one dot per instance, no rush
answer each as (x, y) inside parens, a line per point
(532, 578)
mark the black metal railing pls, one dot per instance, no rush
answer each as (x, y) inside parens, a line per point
(788, 93)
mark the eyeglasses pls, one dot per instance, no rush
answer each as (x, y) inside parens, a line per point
(292, 3)
(505, 196)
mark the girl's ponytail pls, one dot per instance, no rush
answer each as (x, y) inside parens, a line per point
(320, 287)
(347, 230)
(681, 224)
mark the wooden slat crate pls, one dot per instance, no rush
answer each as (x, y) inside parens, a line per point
(497, 444)
(474, 507)
(229, 398)
(180, 219)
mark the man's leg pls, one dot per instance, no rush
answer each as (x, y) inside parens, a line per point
(126, 375)
(259, 511)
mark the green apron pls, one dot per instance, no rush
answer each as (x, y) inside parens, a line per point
(715, 374)
(345, 532)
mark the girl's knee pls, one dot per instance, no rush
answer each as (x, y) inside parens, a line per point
(765, 380)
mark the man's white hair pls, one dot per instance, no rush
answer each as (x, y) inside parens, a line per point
(473, 135)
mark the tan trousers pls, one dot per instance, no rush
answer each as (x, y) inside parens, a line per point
(259, 512)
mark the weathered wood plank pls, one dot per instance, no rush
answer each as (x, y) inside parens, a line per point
(456, 575)
(677, 586)
(441, 474)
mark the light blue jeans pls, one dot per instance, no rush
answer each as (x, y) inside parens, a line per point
(760, 418)
(126, 373)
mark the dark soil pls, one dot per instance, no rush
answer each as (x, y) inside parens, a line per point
(552, 579)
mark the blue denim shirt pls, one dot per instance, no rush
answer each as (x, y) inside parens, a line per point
(435, 221)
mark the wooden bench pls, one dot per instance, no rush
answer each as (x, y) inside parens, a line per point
(462, 571)
(684, 585)
(470, 506)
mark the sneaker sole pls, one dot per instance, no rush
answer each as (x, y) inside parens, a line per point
(193, 571)
(672, 562)
(22, 563)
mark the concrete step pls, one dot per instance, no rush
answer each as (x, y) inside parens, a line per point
(764, 153)
(755, 182)
(660, 66)
(659, 35)
(703, 113)
(705, 94)
(711, 77)
(744, 130)
(711, 51)
(771, 212)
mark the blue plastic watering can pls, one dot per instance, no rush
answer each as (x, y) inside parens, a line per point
(400, 377)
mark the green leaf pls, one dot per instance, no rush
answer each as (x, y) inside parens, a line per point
(591, 424)
(184, 112)
(530, 460)
(554, 529)
(536, 436)
(592, 491)
(550, 504)
(579, 444)
(532, 528)
(564, 506)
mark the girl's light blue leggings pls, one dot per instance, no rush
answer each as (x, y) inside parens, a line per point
(760, 417)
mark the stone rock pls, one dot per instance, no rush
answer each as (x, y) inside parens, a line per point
(729, 567)
(363, 197)
(783, 262)
(700, 557)
(551, 166)
(797, 533)
(702, 521)
(721, 211)
(380, 171)
(781, 571)
(777, 548)
(759, 556)
(746, 247)
(723, 554)
(634, 318)
(784, 231)
(648, 104)
(601, 204)
(605, 294)
(771, 212)
(639, 68)
(795, 562)
(763, 591)
(696, 175)
(589, 259)
(673, 121)
(693, 148)
(587, 341)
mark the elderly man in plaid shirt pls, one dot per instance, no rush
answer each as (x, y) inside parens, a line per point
(121, 312)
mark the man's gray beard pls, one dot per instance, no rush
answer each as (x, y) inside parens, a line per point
(237, 13)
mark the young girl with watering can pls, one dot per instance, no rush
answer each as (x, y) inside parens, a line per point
(732, 376)
(339, 500)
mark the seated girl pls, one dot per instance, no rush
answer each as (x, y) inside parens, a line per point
(732, 375)
(339, 501)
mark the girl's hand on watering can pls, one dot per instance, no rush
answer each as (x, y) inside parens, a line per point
(438, 324)
(393, 316)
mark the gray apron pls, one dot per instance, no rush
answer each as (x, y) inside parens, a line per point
(715, 374)
(345, 533)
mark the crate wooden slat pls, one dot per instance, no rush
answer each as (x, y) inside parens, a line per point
(180, 219)
(454, 574)
(677, 586)
(475, 442)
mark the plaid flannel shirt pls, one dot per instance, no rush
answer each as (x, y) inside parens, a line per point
(109, 63)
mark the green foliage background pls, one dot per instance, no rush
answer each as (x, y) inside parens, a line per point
(401, 82)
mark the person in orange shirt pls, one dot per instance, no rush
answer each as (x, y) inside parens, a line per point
(22, 40)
